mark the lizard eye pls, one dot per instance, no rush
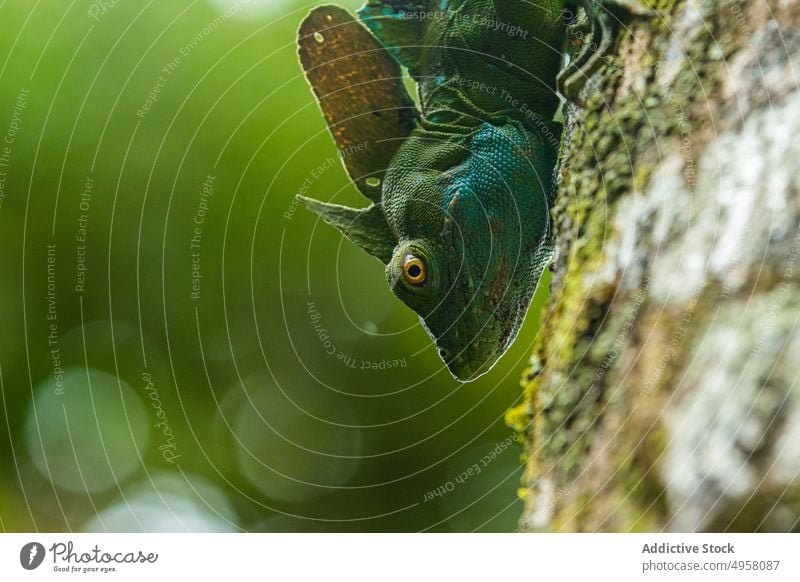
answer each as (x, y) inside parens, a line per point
(414, 270)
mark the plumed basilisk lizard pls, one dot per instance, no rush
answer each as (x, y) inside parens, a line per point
(461, 186)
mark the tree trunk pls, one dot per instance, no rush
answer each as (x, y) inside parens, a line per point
(663, 389)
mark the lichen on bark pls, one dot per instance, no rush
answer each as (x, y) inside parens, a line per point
(663, 390)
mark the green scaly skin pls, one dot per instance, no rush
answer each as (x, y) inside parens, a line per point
(469, 191)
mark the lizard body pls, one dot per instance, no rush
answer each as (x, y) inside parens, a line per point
(461, 187)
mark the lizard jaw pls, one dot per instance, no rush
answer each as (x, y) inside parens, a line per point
(472, 361)
(466, 369)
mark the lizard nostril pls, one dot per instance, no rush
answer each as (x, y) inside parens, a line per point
(443, 353)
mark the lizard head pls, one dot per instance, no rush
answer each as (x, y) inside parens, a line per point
(472, 309)
(463, 230)
(472, 240)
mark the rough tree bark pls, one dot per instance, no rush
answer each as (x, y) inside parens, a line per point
(663, 389)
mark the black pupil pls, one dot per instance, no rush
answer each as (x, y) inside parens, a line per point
(414, 271)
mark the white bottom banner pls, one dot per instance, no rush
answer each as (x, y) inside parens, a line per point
(401, 557)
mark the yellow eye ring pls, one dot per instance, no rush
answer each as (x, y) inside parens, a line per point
(414, 270)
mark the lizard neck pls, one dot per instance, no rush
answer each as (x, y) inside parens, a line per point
(491, 60)
(449, 108)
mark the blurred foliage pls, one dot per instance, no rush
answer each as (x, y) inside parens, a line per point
(216, 407)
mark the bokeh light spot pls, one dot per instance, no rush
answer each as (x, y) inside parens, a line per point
(287, 453)
(168, 504)
(88, 436)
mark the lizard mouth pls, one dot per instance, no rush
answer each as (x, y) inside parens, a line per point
(465, 370)
(472, 360)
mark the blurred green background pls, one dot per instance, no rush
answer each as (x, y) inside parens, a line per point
(179, 348)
